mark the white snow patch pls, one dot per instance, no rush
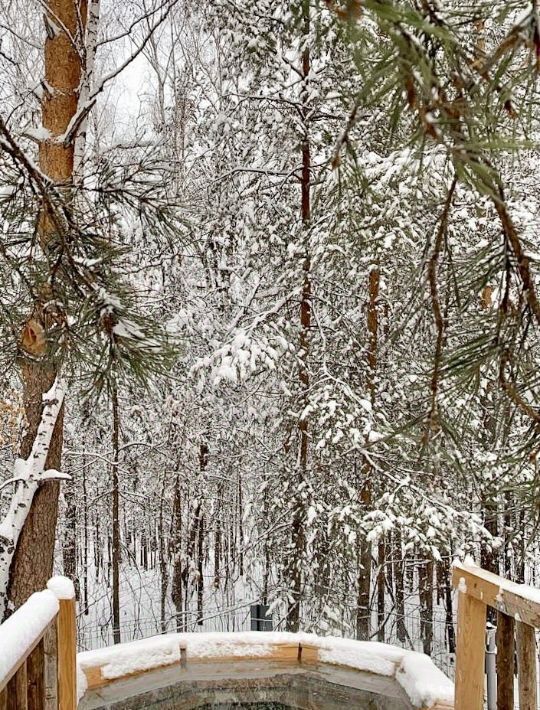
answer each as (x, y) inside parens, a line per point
(61, 587)
(369, 656)
(528, 592)
(423, 682)
(38, 134)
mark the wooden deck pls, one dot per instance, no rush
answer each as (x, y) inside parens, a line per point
(26, 670)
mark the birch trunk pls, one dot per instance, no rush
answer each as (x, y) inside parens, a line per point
(87, 80)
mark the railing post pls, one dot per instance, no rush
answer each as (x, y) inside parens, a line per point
(491, 668)
(471, 629)
(66, 642)
(526, 655)
(505, 661)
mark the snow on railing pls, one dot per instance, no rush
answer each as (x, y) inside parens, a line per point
(518, 611)
(22, 656)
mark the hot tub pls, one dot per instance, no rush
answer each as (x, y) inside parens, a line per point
(262, 671)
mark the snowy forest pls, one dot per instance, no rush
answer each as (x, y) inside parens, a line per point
(269, 311)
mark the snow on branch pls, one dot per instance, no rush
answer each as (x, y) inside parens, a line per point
(28, 474)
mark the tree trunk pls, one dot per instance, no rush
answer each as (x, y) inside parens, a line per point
(298, 533)
(85, 533)
(449, 617)
(69, 548)
(381, 582)
(240, 527)
(115, 518)
(366, 492)
(425, 592)
(87, 81)
(399, 578)
(176, 590)
(200, 570)
(217, 536)
(32, 562)
(163, 563)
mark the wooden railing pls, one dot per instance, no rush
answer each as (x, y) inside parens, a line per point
(518, 615)
(38, 651)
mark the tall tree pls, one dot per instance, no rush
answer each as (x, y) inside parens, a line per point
(65, 22)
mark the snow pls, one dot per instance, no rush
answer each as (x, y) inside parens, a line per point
(61, 587)
(423, 682)
(527, 592)
(415, 672)
(369, 656)
(38, 134)
(24, 628)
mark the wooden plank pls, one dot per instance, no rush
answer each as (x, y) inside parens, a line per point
(284, 652)
(505, 596)
(505, 662)
(470, 652)
(3, 699)
(51, 667)
(310, 654)
(94, 677)
(17, 690)
(35, 666)
(526, 658)
(67, 655)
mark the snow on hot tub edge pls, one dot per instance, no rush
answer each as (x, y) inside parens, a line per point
(423, 682)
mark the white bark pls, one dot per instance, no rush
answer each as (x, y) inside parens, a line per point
(28, 474)
(86, 86)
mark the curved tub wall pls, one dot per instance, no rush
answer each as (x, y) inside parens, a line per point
(177, 659)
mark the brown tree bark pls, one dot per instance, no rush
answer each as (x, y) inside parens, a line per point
(115, 514)
(381, 584)
(366, 492)
(176, 549)
(298, 534)
(163, 560)
(399, 579)
(425, 592)
(69, 547)
(85, 536)
(217, 536)
(33, 559)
